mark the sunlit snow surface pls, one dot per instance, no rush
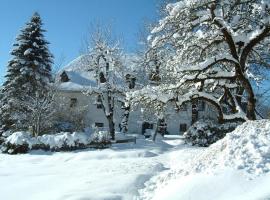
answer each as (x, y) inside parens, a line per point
(115, 173)
(161, 171)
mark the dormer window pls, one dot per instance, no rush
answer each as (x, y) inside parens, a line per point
(64, 77)
(154, 77)
(73, 102)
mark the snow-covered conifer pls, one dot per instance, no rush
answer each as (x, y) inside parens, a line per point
(28, 73)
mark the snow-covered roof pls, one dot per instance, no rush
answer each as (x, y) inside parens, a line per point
(78, 80)
(79, 75)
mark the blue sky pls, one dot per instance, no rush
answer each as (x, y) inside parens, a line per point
(68, 21)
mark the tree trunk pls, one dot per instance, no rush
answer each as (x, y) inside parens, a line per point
(239, 93)
(124, 122)
(251, 97)
(194, 110)
(38, 126)
(111, 126)
(251, 106)
(156, 130)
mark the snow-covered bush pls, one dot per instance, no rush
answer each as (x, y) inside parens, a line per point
(204, 133)
(1, 140)
(101, 139)
(22, 142)
(4, 135)
(18, 142)
(63, 141)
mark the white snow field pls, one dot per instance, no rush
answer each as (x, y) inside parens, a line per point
(236, 167)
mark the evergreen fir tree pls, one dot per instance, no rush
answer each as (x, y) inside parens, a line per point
(28, 74)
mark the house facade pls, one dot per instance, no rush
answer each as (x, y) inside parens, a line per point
(76, 78)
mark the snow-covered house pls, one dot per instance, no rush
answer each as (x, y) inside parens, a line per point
(76, 78)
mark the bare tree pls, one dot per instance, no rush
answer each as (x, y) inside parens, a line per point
(40, 111)
(71, 117)
(106, 60)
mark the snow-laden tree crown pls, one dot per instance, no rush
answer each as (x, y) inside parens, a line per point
(217, 49)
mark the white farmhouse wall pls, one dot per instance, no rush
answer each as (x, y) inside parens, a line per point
(136, 117)
(172, 118)
(93, 114)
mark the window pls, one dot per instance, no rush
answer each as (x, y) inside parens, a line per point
(99, 102)
(201, 105)
(183, 127)
(99, 125)
(73, 102)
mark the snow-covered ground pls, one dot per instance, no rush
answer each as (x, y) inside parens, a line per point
(166, 170)
(115, 173)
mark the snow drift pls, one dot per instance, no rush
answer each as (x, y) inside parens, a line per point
(241, 161)
(247, 148)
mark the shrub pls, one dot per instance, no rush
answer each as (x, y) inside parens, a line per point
(22, 142)
(18, 142)
(14, 148)
(205, 133)
(2, 140)
(101, 139)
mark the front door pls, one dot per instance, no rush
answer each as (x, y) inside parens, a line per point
(146, 125)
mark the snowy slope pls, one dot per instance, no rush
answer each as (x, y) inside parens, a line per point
(236, 167)
(228, 184)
